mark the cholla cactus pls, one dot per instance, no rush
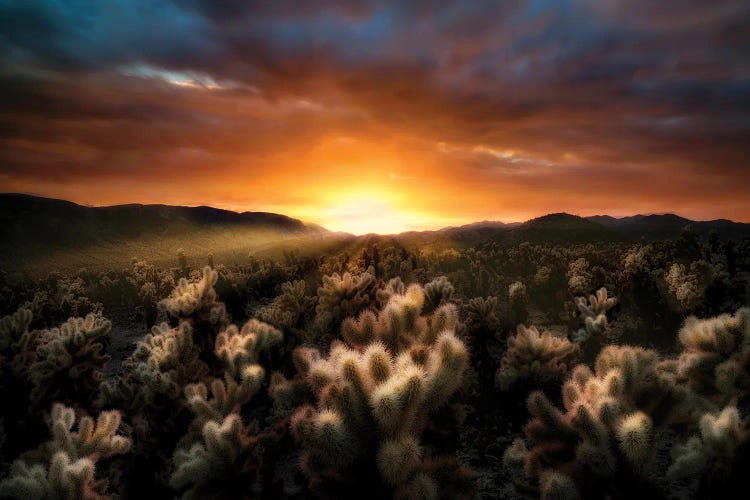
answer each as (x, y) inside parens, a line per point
(518, 301)
(64, 467)
(400, 324)
(289, 310)
(540, 357)
(15, 339)
(12, 327)
(68, 361)
(196, 300)
(437, 292)
(684, 287)
(221, 460)
(393, 287)
(713, 449)
(715, 361)
(579, 276)
(609, 423)
(636, 260)
(343, 296)
(374, 395)
(221, 465)
(239, 352)
(594, 314)
(197, 303)
(155, 376)
(481, 313)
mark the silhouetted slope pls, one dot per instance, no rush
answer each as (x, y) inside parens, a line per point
(669, 226)
(31, 226)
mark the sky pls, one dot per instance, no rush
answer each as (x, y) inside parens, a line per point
(381, 116)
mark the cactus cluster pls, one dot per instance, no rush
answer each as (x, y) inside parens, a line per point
(66, 363)
(535, 357)
(65, 466)
(197, 303)
(715, 357)
(373, 395)
(342, 296)
(218, 457)
(580, 278)
(290, 309)
(593, 310)
(437, 292)
(615, 419)
(608, 424)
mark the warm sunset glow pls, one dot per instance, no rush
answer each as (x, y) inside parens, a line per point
(378, 117)
(362, 214)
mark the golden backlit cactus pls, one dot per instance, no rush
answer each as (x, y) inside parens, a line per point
(239, 352)
(399, 325)
(164, 362)
(535, 357)
(374, 395)
(217, 456)
(715, 360)
(593, 310)
(64, 467)
(196, 302)
(610, 413)
(341, 296)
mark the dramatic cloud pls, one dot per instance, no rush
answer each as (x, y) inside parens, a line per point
(432, 112)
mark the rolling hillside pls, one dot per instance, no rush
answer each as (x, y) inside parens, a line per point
(38, 235)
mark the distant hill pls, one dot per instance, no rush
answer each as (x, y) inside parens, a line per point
(32, 227)
(669, 226)
(38, 235)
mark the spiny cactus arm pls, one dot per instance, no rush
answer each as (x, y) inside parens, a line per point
(635, 433)
(446, 363)
(228, 396)
(719, 436)
(540, 356)
(438, 292)
(69, 360)
(197, 298)
(557, 486)
(13, 326)
(240, 350)
(222, 458)
(398, 459)
(93, 440)
(63, 479)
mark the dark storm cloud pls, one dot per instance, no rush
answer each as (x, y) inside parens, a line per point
(597, 88)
